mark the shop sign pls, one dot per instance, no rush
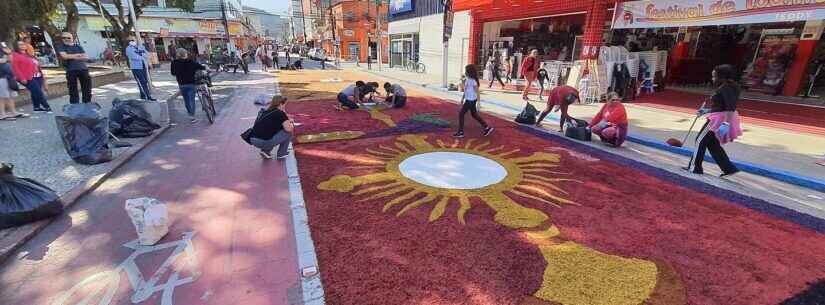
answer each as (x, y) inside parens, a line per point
(448, 20)
(401, 6)
(183, 26)
(348, 33)
(812, 30)
(235, 28)
(678, 13)
(210, 27)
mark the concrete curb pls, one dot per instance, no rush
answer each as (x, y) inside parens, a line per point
(764, 171)
(20, 235)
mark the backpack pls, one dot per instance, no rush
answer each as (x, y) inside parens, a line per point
(528, 115)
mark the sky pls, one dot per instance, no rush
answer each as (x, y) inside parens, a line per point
(272, 6)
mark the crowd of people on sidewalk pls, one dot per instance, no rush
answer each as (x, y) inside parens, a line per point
(19, 66)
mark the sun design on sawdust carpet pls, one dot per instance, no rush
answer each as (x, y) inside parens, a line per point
(420, 173)
(416, 172)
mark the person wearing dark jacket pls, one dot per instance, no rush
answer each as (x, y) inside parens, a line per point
(184, 70)
(722, 125)
(273, 127)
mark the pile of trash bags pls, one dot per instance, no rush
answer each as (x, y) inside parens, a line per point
(85, 133)
(23, 200)
(129, 119)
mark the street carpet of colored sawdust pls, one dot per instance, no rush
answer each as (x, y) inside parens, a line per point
(315, 84)
(566, 226)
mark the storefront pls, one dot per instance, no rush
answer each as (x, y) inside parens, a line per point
(403, 49)
(549, 26)
(771, 42)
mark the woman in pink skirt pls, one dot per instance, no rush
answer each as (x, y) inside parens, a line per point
(722, 124)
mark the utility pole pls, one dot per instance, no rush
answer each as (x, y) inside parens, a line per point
(378, 30)
(225, 25)
(334, 28)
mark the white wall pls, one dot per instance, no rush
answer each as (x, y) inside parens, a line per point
(92, 42)
(432, 48)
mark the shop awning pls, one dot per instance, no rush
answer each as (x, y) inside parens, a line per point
(682, 13)
(463, 5)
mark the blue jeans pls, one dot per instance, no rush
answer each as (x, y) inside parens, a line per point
(143, 83)
(188, 93)
(282, 139)
(35, 87)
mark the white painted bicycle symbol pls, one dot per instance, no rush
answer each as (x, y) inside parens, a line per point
(106, 283)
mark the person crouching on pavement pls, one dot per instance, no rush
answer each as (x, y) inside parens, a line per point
(396, 95)
(560, 97)
(273, 127)
(722, 125)
(610, 124)
(351, 96)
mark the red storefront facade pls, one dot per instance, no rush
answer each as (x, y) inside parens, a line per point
(597, 13)
(593, 23)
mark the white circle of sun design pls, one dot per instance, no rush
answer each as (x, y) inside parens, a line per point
(452, 170)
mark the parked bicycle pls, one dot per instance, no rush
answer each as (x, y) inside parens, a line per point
(204, 94)
(113, 58)
(100, 288)
(414, 66)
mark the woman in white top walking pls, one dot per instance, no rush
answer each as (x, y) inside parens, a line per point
(470, 100)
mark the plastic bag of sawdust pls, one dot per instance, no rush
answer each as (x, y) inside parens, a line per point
(150, 219)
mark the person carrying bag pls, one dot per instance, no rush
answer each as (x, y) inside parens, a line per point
(272, 128)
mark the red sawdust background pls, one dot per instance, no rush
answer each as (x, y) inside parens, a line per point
(724, 253)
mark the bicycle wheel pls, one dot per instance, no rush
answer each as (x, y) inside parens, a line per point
(205, 106)
(421, 68)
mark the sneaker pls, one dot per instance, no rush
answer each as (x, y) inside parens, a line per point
(459, 134)
(39, 110)
(694, 172)
(488, 131)
(283, 157)
(193, 120)
(265, 155)
(152, 99)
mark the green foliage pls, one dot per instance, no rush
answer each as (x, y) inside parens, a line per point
(430, 119)
(186, 5)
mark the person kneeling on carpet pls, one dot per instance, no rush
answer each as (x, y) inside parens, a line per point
(560, 98)
(369, 91)
(610, 124)
(351, 96)
(396, 95)
(273, 127)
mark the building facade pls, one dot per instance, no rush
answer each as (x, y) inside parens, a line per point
(415, 35)
(296, 20)
(270, 26)
(355, 30)
(199, 31)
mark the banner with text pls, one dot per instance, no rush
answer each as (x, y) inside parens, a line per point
(679, 13)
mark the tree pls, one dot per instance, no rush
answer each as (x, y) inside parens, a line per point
(122, 25)
(46, 13)
(11, 21)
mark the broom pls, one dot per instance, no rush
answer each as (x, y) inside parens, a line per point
(675, 142)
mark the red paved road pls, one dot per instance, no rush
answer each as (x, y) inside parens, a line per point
(215, 185)
(797, 118)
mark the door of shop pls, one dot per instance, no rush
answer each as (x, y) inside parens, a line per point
(354, 50)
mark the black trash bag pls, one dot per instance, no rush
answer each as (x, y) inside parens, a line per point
(129, 119)
(23, 200)
(577, 129)
(85, 133)
(528, 115)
